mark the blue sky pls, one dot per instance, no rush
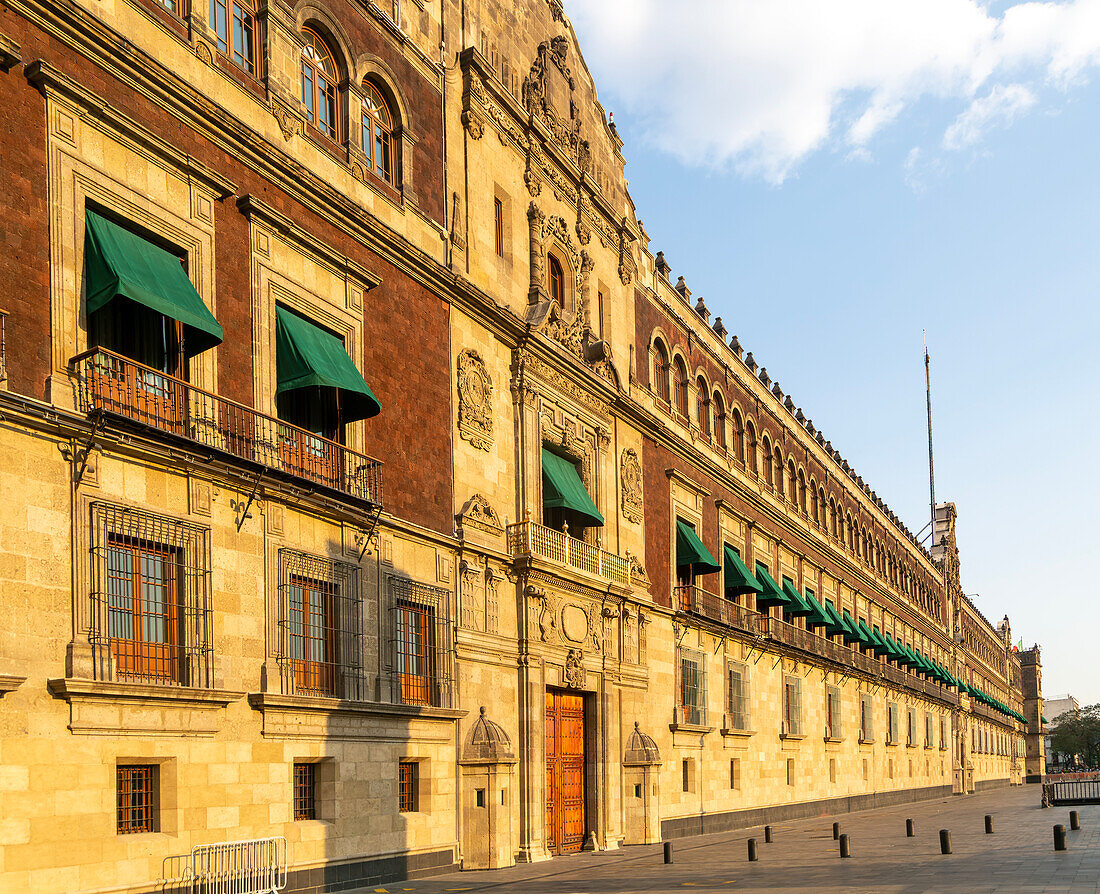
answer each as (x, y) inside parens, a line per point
(966, 204)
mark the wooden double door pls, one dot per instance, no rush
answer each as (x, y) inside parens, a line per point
(565, 772)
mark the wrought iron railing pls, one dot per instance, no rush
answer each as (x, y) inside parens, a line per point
(110, 382)
(695, 601)
(530, 539)
(3, 346)
(1074, 792)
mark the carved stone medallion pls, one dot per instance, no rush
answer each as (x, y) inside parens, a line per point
(475, 400)
(574, 623)
(630, 474)
(574, 672)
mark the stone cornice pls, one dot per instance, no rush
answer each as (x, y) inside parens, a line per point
(9, 53)
(309, 704)
(9, 683)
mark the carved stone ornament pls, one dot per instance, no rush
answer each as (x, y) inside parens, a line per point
(637, 570)
(473, 125)
(574, 671)
(574, 623)
(475, 400)
(545, 610)
(478, 513)
(548, 95)
(289, 123)
(630, 475)
(203, 51)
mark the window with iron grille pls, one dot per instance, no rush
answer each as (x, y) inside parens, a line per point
(693, 687)
(320, 626)
(136, 797)
(892, 731)
(832, 705)
(943, 734)
(929, 732)
(408, 779)
(421, 645)
(866, 719)
(305, 791)
(737, 696)
(792, 706)
(150, 592)
(911, 728)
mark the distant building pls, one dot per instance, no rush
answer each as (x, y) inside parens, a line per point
(1053, 708)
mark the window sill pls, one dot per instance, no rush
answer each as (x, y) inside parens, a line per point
(98, 707)
(696, 728)
(863, 741)
(310, 716)
(793, 737)
(833, 740)
(738, 733)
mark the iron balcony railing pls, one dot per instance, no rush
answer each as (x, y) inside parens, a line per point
(695, 601)
(3, 346)
(115, 384)
(530, 539)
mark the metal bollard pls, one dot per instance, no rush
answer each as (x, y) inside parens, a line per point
(752, 851)
(988, 824)
(844, 850)
(945, 841)
(909, 833)
(668, 851)
(767, 835)
(1074, 821)
(836, 831)
(1059, 837)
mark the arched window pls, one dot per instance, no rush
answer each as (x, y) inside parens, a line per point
(319, 79)
(751, 447)
(738, 436)
(719, 407)
(821, 503)
(798, 486)
(779, 471)
(702, 406)
(557, 280)
(660, 370)
(681, 388)
(814, 504)
(378, 138)
(234, 24)
(832, 517)
(769, 474)
(851, 534)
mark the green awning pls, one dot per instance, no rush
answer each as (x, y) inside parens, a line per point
(309, 357)
(770, 591)
(851, 631)
(797, 606)
(817, 617)
(121, 264)
(835, 625)
(738, 578)
(893, 649)
(690, 550)
(865, 637)
(1044, 721)
(562, 489)
(881, 647)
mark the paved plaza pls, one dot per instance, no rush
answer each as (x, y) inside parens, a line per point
(1018, 857)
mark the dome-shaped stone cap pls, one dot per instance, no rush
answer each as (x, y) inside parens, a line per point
(641, 749)
(488, 742)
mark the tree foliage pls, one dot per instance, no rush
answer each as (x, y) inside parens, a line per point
(1078, 733)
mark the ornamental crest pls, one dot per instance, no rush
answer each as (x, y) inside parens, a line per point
(630, 474)
(475, 400)
(574, 672)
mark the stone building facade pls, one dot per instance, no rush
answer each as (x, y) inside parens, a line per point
(369, 485)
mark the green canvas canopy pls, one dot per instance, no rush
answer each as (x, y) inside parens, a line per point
(562, 488)
(121, 264)
(865, 637)
(835, 626)
(797, 606)
(817, 617)
(770, 591)
(308, 356)
(690, 550)
(738, 578)
(881, 647)
(851, 631)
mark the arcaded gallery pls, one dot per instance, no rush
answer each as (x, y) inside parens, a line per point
(378, 504)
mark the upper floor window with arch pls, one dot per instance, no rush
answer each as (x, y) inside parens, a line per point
(319, 84)
(660, 370)
(719, 407)
(681, 388)
(378, 134)
(556, 277)
(779, 472)
(751, 449)
(802, 493)
(738, 435)
(702, 408)
(792, 482)
(769, 470)
(234, 24)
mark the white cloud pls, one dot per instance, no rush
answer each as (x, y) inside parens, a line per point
(761, 84)
(1001, 105)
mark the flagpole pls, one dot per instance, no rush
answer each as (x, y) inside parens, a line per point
(931, 474)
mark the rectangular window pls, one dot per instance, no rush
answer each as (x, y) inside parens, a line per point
(408, 781)
(943, 734)
(599, 312)
(892, 731)
(737, 696)
(735, 774)
(929, 732)
(421, 644)
(790, 771)
(305, 791)
(832, 712)
(150, 597)
(136, 798)
(692, 687)
(320, 626)
(911, 728)
(498, 225)
(792, 706)
(866, 719)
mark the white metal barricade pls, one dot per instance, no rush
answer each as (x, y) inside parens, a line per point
(257, 866)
